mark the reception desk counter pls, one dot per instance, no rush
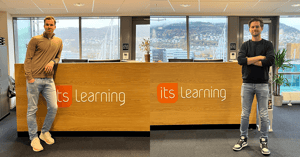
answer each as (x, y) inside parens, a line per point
(133, 96)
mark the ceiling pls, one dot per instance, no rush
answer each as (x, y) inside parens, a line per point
(149, 7)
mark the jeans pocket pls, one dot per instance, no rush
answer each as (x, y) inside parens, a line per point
(32, 87)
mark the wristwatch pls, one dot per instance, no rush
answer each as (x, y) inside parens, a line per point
(54, 61)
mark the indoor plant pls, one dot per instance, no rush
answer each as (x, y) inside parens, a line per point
(279, 79)
(145, 46)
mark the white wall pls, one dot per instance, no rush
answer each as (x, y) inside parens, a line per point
(11, 48)
(6, 31)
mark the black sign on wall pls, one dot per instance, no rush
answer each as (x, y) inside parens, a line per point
(125, 46)
(2, 41)
(232, 46)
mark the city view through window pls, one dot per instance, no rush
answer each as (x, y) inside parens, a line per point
(142, 32)
(168, 39)
(289, 39)
(100, 37)
(207, 38)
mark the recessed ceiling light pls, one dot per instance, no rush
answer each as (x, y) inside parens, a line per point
(185, 5)
(296, 5)
(78, 4)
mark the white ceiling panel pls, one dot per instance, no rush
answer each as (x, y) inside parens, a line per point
(260, 7)
(243, 0)
(19, 3)
(274, 0)
(213, 7)
(2, 5)
(29, 11)
(49, 4)
(9, 10)
(193, 8)
(142, 7)
(133, 6)
(81, 10)
(55, 11)
(287, 8)
(240, 6)
(105, 6)
(196, 1)
(87, 8)
(160, 6)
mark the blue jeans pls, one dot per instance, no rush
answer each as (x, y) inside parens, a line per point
(247, 95)
(45, 86)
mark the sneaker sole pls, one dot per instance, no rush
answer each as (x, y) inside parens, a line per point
(36, 150)
(263, 152)
(267, 154)
(244, 145)
(41, 137)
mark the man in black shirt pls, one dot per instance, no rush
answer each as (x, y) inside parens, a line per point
(256, 56)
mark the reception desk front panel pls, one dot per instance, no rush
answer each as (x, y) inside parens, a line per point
(133, 96)
(205, 93)
(124, 89)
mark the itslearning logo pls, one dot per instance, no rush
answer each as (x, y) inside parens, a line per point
(64, 95)
(167, 92)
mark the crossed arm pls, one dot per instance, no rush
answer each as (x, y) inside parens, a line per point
(255, 60)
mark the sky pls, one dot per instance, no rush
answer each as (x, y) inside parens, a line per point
(293, 22)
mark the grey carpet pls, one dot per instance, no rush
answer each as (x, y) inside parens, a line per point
(13, 146)
(283, 141)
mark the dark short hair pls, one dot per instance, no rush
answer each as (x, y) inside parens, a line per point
(256, 19)
(50, 18)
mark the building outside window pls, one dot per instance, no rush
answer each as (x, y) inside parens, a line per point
(207, 37)
(100, 36)
(289, 39)
(168, 38)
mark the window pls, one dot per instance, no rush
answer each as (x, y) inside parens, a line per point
(168, 38)
(22, 36)
(289, 39)
(208, 37)
(100, 38)
(142, 32)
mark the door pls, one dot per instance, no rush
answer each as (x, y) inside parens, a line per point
(140, 31)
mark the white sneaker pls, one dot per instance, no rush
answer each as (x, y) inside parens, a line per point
(47, 138)
(36, 145)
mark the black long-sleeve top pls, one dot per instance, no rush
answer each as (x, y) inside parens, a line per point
(252, 73)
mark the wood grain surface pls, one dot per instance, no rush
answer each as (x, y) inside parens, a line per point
(130, 78)
(208, 110)
(139, 82)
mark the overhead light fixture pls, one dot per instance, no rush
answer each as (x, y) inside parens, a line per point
(185, 5)
(296, 5)
(78, 4)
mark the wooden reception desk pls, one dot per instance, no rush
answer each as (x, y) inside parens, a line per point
(140, 96)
